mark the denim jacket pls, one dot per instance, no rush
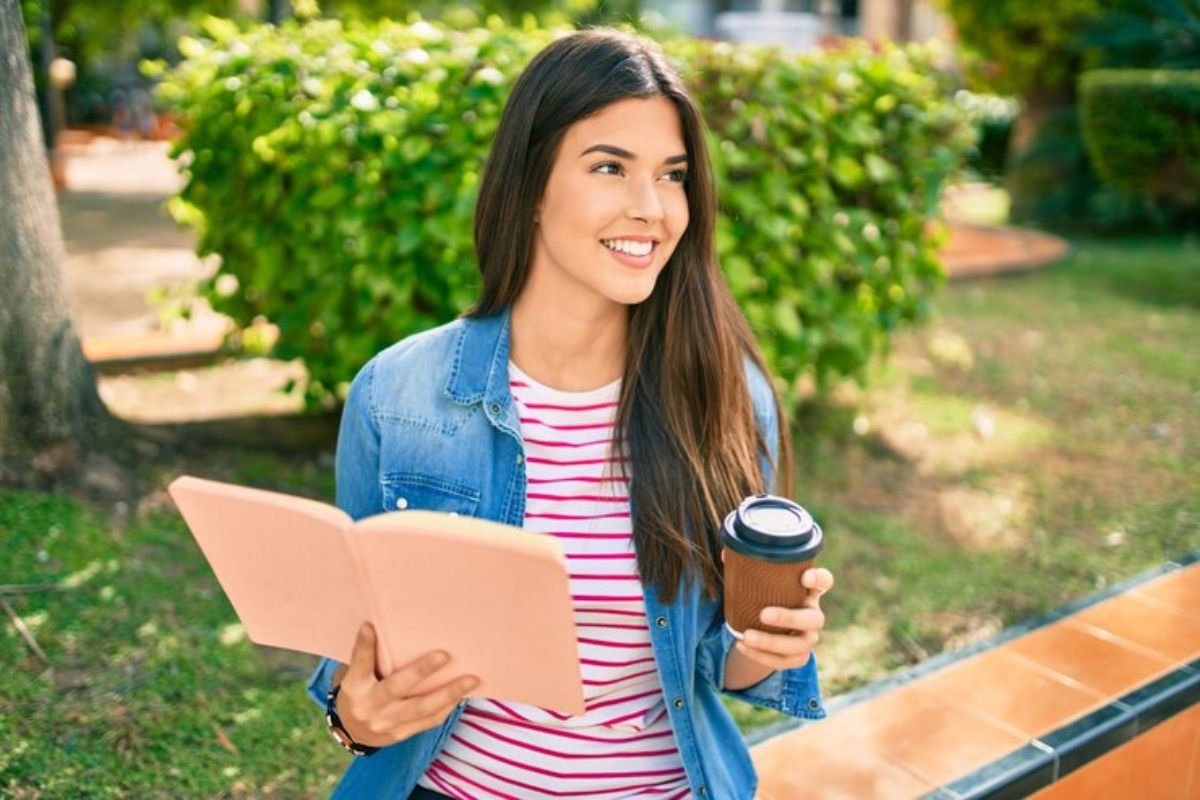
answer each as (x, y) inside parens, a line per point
(429, 423)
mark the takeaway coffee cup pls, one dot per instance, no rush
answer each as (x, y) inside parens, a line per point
(769, 543)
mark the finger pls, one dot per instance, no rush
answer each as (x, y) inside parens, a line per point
(362, 657)
(405, 730)
(818, 580)
(429, 707)
(773, 660)
(401, 682)
(806, 618)
(780, 644)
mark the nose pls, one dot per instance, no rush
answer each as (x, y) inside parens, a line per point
(644, 202)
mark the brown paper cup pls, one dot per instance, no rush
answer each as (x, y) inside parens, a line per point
(752, 585)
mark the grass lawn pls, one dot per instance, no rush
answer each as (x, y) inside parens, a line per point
(1038, 440)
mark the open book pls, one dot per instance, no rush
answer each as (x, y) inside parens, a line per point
(302, 575)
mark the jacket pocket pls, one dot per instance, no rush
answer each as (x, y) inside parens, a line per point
(406, 492)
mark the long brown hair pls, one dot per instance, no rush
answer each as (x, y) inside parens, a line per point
(685, 408)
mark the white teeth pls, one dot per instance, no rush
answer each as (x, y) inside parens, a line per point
(626, 246)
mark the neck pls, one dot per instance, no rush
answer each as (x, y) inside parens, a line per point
(566, 347)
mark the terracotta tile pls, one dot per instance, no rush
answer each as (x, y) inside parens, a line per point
(1015, 690)
(1147, 623)
(935, 739)
(828, 761)
(1194, 786)
(1104, 665)
(1111, 775)
(1162, 757)
(1179, 588)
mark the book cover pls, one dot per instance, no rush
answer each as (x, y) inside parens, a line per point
(302, 575)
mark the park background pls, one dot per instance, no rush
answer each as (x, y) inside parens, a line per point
(990, 420)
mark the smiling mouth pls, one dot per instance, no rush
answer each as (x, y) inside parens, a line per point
(638, 256)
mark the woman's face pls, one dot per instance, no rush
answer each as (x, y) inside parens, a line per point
(616, 184)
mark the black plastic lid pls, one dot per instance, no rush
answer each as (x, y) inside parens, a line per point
(771, 528)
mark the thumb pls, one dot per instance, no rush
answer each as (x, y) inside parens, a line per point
(362, 658)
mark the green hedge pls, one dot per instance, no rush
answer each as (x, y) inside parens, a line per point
(334, 168)
(1142, 131)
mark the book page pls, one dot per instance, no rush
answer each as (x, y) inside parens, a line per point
(495, 597)
(282, 561)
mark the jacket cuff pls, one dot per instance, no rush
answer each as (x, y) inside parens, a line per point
(794, 692)
(322, 681)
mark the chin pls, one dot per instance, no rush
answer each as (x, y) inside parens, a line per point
(632, 296)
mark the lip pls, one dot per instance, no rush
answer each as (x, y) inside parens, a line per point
(637, 262)
(631, 238)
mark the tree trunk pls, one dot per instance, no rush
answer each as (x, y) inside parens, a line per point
(48, 393)
(1031, 181)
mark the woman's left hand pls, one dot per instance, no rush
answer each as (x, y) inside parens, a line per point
(788, 651)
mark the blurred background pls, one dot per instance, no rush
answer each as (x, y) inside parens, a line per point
(965, 232)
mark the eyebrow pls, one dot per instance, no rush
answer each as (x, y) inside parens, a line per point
(622, 153)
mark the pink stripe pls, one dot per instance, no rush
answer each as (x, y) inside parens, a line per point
(574, 497)
(603, 643)
(641, 614)
(568, 535)
(540, 460)
(618, 701)
(604, 577)
(536, 421)
(595, 662)
(578, 793)
(453, 791)
(601, 555)
(611, 625)
(574, 776)
(613, 515)
(464, 778)
(577, 478)
(554, 407)
(622, 678)
(560, 753)
(624, 718)
(562, 732)
(556, 443)
(610, 598)
(519, 384)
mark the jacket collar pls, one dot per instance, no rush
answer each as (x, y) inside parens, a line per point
(480, 368)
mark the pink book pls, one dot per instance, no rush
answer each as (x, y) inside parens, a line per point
(304, 576)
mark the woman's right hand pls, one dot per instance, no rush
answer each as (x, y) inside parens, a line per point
(381, 712)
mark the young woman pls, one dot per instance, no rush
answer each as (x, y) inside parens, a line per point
(605, 390)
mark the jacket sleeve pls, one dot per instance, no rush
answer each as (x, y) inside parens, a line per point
(357, 480)
(795, 692)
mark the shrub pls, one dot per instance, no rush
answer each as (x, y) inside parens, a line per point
(1142, 131)
(993, 117)
(334, 169)
(1027, 47)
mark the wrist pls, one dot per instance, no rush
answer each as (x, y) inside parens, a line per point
(338, 730)
(742, 672)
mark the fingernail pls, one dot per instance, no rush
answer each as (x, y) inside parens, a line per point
(768, 615)
(438, 658)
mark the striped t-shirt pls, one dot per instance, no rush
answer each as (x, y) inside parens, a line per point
(622, 746)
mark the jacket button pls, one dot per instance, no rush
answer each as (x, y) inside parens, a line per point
(401, 503)
(661, 622)
(495, 407)
(813, 705)
(678, 702)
